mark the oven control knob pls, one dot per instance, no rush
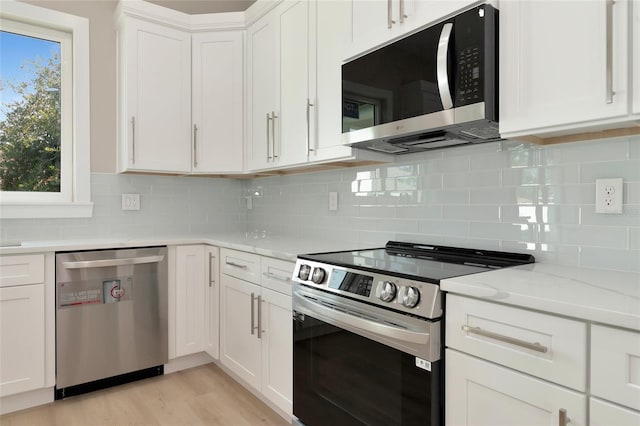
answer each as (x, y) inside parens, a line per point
(388, 292)
(411, 297)
(318, 275)
(304, 272)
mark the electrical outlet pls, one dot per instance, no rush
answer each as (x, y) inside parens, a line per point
(130, 201)
(609, 196)
(333, 201)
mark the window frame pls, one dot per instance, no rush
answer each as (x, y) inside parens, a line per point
(74, 198)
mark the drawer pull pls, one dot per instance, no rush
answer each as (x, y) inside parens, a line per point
(562, 417)
(236, 265)
(533, 346)
(276, 277)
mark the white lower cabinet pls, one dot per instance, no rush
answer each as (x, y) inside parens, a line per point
(256, 341)
(27, 330)
(22, 339)
(482, 393)
(603, 413)
(195, 301)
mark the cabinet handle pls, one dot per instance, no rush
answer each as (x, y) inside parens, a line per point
(237, 265)
(276, 277)
(260, 317)
(195, 145)
(390, 20)
(609, 53)
(273, 134)
(133, 140)
(253, 316)
(211, 280)
(309, 105)
(562, 417)
(402, 14)
(533, 346)
(268, 137)
(442, 73)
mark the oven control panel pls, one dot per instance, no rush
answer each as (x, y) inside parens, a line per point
(396, 293)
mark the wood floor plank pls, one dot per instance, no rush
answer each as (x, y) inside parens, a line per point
(203, 395)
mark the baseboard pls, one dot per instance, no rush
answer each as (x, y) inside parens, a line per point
(22, 401)
(187, 361)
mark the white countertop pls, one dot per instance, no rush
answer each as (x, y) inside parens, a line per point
(607, 297)
(279, 247)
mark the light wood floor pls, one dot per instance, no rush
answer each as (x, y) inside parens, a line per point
(199, 396)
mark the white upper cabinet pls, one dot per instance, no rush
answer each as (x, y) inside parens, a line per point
(180, 94)
(565, 66)
(277, 87)
(375, 22)
(155, 97)
(635, 56)
(217, 102)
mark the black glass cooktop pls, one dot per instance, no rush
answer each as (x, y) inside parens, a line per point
(421, 262)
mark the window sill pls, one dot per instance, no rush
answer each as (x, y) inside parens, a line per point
(46, 211)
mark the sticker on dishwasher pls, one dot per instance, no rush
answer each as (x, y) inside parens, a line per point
(68, 296)
(423, 363)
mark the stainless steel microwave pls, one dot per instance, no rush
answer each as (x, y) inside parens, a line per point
(432, 89)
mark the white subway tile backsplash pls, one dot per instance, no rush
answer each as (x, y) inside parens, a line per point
(520, 232)
(593, 236)
(621, 260)
(469, 213)
(475, 179)
(629, 170)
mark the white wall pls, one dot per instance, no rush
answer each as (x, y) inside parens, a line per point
(525, 198)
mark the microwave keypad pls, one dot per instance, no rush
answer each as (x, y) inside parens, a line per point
(469, 77)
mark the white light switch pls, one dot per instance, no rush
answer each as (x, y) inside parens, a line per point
(130, 201)
(333, 201)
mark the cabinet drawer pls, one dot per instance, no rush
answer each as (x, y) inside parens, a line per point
(545, 346)
(615, 365)
(21, 270)
(276, 275)
(606, 414)
(240, 264)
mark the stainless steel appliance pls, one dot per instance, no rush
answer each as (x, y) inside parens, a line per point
(111, 317)
(368, 334)
(435, 88)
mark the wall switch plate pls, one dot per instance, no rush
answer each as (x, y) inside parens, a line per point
(333, 201)
(249, 201)
(130, 201)
(609, 193)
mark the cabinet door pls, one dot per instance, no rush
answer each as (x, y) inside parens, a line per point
(190, 300)
(22, 339)
(376, 22)
(239, 343)
(217, 102)
(635, 56)
(156, 92)
(292, 123)
(212, 302)
(262, 89)
(603, 413)
(482, 393)
(555, 79)
(332, 33)
(277, 349)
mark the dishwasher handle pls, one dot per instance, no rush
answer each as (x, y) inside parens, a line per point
(112, 262)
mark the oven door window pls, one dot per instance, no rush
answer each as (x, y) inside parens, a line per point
(342, 378)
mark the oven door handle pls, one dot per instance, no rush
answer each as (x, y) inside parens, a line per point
(354, 320)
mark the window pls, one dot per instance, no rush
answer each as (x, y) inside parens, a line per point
(44, 115)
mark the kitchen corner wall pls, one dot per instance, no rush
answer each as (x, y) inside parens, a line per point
(504, 196)
(169, 206)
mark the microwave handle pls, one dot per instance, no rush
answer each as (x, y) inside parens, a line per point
(442, 74)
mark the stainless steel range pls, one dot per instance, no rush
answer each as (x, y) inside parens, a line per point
(368, 332)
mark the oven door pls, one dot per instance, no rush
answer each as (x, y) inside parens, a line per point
(350, 369)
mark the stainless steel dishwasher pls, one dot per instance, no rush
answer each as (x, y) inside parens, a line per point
(111, 318)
